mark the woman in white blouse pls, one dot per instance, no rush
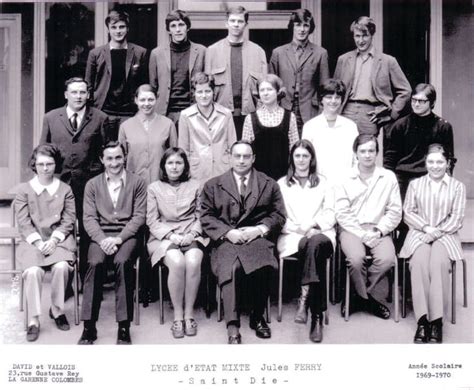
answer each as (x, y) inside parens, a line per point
(309, 231)
(434, 211)
(176, 235)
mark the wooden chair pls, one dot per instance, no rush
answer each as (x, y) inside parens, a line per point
(11, 233)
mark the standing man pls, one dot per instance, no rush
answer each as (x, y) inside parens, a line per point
(114, 212)
(114, 71)
(368, 209)
(242, 211)
(173, 65)
(377, 87)
(79, 133)
(236, 64)
(303, 67)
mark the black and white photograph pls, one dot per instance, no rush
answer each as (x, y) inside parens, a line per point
(221, 194)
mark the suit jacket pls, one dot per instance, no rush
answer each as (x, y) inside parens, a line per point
(221, 211)
(99, 71)
(254, 65)
(80, 149)
(314, 70)
(391, 87)
(160, 71)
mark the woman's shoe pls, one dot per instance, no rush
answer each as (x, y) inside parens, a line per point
(190, 327)
(177, 329)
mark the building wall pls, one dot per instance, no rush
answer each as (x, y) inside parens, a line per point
(458, 84)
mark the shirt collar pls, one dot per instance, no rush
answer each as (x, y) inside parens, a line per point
(38, 188)
(237, 177)
(80, 113)
(444, 180)
(123, 178)
(295, 44)
(274, 111)
(144, 119)
(355, 173)
(125, 46)
(370, 52)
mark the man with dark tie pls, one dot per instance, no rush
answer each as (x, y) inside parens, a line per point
(377, 87)
(242, 211)
(303, 67)
(79, 133)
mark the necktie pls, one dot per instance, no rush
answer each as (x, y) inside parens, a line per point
(74, 121)
(243, 188)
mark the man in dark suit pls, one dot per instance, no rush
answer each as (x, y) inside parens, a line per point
(79, 133)
(303, 67)
(114, 72)
(242, 211)
(377, 87)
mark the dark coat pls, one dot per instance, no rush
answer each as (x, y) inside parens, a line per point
(221, 212)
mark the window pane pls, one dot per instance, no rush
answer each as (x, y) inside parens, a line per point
(197, 5)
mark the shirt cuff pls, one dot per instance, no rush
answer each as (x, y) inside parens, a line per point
(264, 229)
(33, 237)
(60, 236)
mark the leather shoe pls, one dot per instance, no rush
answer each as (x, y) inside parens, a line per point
(316, 333)
(436, 333)
(88, 336)
(61, 321)
(235, 339)
(32, 333)
(421, 335)
(123, 336)
(262, 330)
(378, 309)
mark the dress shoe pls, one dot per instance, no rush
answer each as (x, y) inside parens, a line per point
(316, 333)
(61, 321)
(32, 333)
(301, 316)
(235, 339)
(262, 330)
(123, 336)
(378, 309)
(421, 335)
(436, 333)
(88, 336)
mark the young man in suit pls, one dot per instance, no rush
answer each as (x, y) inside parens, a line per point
(173, 65)
(79, 133)
(114, 71)
(242, 211)
(114, 212)
(377, 87)
(303, 67)
(236, 64)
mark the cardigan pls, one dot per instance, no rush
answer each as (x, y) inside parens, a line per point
(102, 219)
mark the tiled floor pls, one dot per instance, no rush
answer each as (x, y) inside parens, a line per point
(360, 329)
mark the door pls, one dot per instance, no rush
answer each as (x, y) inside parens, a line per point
(10, 103)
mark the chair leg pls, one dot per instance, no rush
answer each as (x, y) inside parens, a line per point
(464, 281)
(348, 286)
(21, 290)
(404, 288)
(160, 286)
(137, 292)
(280, 290)
(328, 283)
(208, 294)
(219, 302)
(390, 278)
(76, 292)
(332, 273)
(25, 303)
(453, 292)
(269, 311)
(396, 291)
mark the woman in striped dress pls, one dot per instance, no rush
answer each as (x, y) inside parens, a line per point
(434, 212)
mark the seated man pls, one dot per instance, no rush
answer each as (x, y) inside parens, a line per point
(368, 208)
(242, 211)
(114, 211)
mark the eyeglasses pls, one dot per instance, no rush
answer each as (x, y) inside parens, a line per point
(419, 101)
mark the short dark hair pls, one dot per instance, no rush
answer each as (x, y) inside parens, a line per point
(363, 139)
(241, 142)
(313, 164)
(275, 81)
(364, 24)
(50, 150)
(176, 15)
(331, 87)
(238, 10)
(115, 16)
(301, 15)
(111, 145)
(145, 88)
(428, 89)
(185, 176)
(202, 78)
(75, 80)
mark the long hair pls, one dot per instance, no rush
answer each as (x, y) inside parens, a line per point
(313, 164)
(163, 176)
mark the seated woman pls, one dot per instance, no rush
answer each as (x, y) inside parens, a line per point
(146, 136)
(271, 129)
(206, 131)
(309, 230)
(434, 211)
(46, 214)
(176, 235)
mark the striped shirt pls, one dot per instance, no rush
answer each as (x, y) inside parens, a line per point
(438, 205)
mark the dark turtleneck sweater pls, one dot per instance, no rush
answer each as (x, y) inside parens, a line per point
(180, 94)
(409, 139)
